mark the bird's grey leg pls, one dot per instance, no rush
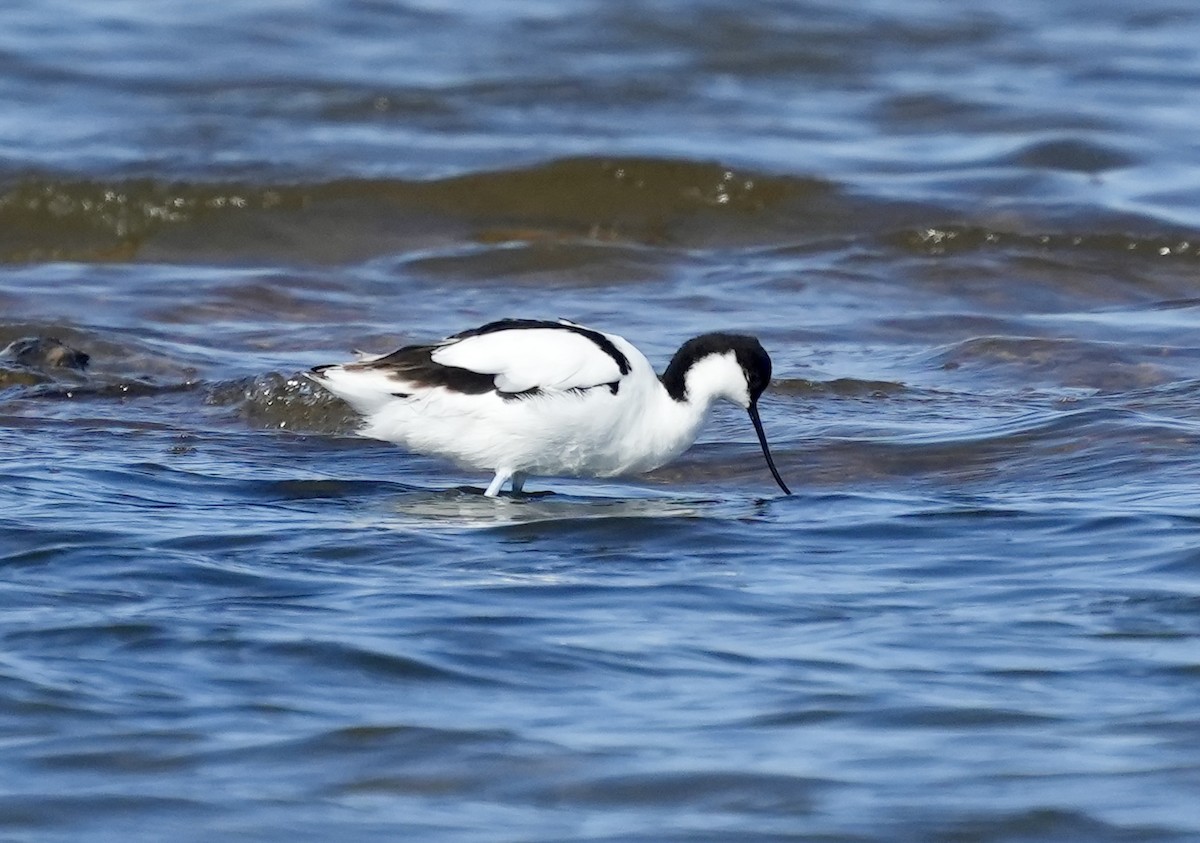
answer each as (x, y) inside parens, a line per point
(502, 477)
(518, 481)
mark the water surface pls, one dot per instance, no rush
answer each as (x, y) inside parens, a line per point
(969, 239)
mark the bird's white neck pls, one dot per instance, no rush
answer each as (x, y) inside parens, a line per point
(671, 425)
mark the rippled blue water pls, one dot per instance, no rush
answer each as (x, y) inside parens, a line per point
(967, 237)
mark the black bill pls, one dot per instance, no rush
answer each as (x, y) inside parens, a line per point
(762, 439)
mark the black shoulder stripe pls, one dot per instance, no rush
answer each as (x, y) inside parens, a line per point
(602, 342)
(505, 325)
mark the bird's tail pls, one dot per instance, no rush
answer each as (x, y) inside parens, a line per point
(366, 390)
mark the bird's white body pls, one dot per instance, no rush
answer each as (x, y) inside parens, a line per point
(536, 398)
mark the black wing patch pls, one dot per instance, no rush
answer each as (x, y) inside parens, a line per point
(414, 364)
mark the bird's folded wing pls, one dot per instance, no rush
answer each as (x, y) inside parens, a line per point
(546, 359)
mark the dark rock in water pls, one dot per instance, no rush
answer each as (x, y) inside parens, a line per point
(44, 353)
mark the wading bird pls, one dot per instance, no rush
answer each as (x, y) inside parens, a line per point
(522, 397)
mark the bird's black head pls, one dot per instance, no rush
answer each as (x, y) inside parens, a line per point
(755, 364)
(748, 352)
